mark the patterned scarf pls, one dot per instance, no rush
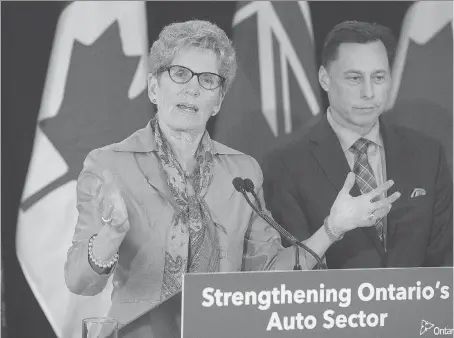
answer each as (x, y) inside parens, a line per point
(192, 243)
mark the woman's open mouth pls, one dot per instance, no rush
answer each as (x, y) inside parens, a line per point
(190, 108)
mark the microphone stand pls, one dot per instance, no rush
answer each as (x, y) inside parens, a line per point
(249, 187)
(283, 232)
(290, 238)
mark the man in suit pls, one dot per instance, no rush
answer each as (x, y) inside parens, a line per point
(304, 176)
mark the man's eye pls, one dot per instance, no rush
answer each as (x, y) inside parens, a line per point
(354, 78)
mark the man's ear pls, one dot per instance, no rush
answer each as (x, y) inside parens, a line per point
(323, 78)
(152, 87)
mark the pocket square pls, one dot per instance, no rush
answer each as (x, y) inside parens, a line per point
(417, 192)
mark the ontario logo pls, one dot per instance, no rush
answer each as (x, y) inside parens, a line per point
(437, 331)
(425, 326)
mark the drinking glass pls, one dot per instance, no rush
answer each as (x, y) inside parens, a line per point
(99, 327)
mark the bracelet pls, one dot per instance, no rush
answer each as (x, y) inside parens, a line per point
(329, 232)
(97, 262)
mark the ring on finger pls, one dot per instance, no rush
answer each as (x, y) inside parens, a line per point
(371, 216)
(107, 221)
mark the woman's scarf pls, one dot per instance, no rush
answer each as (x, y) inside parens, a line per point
(192, 243)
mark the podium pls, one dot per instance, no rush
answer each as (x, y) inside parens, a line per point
(356, 303)
(396, 302)
(162, 321)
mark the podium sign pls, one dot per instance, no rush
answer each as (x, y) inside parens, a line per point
(324, 303)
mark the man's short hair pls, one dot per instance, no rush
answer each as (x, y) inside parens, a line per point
(357, 32)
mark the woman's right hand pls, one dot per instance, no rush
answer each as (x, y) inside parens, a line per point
(349, 212)
(114, 215)
(112, 206)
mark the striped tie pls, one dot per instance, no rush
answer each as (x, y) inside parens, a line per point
(364, 175)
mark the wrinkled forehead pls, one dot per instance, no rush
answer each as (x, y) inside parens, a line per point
(361, 57)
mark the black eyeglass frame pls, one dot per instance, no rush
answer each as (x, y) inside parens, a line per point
(221, 82)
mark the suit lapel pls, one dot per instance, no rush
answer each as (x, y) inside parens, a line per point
(328, 152)
(219, 192)
(398, 163)
(143, 145)
(151, 169)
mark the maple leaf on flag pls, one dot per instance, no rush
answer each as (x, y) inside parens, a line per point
(96, 110)
(94, 95)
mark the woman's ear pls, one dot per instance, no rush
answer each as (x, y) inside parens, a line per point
(152, 87)
(323, 78)
(218, 106)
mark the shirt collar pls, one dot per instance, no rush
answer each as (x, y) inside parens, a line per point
(348, 137)
(143, 140)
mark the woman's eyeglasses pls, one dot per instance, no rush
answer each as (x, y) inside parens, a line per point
(180, 74)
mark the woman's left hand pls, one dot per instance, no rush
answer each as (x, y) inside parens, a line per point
(349, 212)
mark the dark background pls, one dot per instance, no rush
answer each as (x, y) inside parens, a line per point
(27, 34)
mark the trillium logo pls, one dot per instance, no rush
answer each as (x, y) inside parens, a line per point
(425, 326)
(437, 331)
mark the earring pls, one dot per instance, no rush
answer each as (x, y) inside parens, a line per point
(154, 101)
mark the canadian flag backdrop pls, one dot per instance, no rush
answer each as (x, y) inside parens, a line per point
(94, 94)
(74, 79)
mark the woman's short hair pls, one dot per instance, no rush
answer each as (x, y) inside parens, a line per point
(357, 32)
(197, 33)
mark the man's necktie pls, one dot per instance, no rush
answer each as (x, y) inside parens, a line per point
(364, 175)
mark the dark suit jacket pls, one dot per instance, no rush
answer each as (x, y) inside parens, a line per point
(303, 177)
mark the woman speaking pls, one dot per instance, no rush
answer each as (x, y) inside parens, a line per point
(161, 202)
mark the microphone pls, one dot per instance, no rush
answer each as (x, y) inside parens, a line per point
(247, 185)
(239, 185)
